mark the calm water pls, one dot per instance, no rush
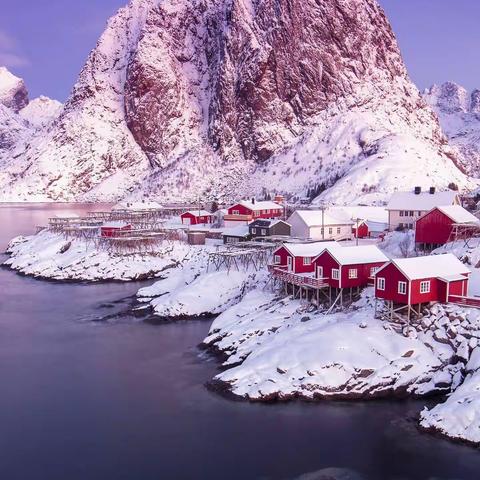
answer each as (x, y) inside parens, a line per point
(123, 399)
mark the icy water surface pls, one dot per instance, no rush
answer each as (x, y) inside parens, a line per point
(85, 400)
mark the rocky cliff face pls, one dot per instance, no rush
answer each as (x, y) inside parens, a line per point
(229, 97)
(13, 93)
(459, 114)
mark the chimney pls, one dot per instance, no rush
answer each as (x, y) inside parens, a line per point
(253, 201)
(418, 190)
(432, 190)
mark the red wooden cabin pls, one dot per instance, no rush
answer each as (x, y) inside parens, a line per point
(348, 267)
(363, 231)
(298, 257)
(112, 229)
(413, 281)
(434, 227)
(196, 217)
(246, 211)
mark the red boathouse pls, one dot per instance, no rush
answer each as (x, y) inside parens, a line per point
(298, 257)
(435, 227)
(419, 280)
(349, 267)
(196, 217)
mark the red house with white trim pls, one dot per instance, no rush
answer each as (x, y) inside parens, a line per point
(413, 281)
(434, 227)
(196, 217)
(112, 229)
(298, 257)
(247, 211)
(348, 267)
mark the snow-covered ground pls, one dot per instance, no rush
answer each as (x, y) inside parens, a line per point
(50, 255)
(279, 348)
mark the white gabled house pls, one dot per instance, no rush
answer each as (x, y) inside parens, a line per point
(405, 208)
(331, 224)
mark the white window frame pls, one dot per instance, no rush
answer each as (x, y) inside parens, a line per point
(307, 260)
(335, 274)
(425, 286)
(263, 231)
(330, 230)
(254, 231)
(319, 271)
(235, 212)
(402, 288)
(339, 230)
(373, 271)
(277, 259)
(352, 273)
(381, 283)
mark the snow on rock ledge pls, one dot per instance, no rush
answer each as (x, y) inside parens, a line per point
(282, 352)
(48, 255)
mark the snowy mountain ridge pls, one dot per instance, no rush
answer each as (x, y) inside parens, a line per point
(459, 113)
(223, 99)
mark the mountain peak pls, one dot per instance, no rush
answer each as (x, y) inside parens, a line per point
(13, 93)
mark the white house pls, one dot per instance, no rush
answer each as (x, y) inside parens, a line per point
(404, 208)
(330, 224)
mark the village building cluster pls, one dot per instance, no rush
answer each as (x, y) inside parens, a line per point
(324, 255)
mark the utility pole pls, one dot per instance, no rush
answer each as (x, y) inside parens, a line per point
(356, 232)
(322, 207)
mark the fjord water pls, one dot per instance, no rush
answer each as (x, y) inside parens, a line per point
(123, 399)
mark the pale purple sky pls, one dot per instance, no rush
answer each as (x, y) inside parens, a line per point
(47, 41)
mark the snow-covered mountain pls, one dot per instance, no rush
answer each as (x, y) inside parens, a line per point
(459, 114)
(223, 98)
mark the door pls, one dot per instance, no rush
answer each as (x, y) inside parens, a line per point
(319, 272)
(289, 264)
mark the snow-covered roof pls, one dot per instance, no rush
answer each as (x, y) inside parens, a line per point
(267, 223)
(424, 201)
(430, 266)
(376, 226)
(198, 213)
(237, 231)
(115, 224)
(367, 213)
(458, 214)
(313, 218)
(259, 205)
(309, 249)
(358, 254)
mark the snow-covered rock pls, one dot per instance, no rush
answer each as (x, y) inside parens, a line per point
(49, 255)
(459, 416)
(227, 98)
(281, 350)
(459, 114)
(41, 111)
(13, 93)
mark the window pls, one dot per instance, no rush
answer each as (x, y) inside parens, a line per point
(373, 271)
(419, 213)
(411, 213)
(381, 283)
(410, 226)
(330, 230)
(335, 273)
(321, 230)
(352, 273)
(401, 213)
(307, 260)
(400, 225)
(254, 231)
(235, 212)
(402, 288)
(425, 286)
(338, 229)
(264, 232)
(276, 260)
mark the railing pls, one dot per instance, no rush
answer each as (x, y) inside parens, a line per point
(304, 280)
(467, 301)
